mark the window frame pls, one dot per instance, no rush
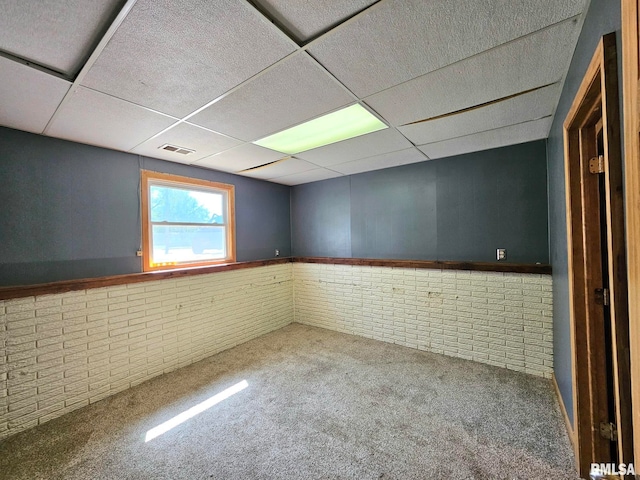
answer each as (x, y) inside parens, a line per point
(149, 178)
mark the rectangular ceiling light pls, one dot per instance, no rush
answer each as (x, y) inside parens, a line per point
(346, 123)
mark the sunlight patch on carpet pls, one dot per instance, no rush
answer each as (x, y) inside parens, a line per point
(195, 410)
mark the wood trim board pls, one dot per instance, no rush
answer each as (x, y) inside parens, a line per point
(88, 283)
(432, 264)
(563, 411)
(631, 74)
(83, 284)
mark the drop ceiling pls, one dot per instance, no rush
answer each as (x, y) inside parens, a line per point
(447, 76)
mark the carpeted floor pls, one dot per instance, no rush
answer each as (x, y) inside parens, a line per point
(317, 404)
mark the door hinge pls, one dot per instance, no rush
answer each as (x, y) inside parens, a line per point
(602, 296)
(609, 431)
(596, 164)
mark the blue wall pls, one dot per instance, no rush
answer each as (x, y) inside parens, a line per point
(73, 211)
(603, 17)
(321, 218)
(457, 208)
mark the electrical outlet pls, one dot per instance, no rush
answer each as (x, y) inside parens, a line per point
(277, 253)
(501, 253)
(139, 253)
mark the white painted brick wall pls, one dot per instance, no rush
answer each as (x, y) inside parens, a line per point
(61, 352)
(502, 319)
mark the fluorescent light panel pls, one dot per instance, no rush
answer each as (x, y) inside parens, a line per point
(334, 127)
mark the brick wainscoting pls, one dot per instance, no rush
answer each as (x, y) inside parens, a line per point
(61, 352)
(499, 318)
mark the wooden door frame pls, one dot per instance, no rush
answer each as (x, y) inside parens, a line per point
(630, 74)
(598, 91)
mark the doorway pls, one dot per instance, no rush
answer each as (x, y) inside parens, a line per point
(597, 267)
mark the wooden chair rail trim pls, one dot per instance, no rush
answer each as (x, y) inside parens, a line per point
(85, 284)
(88, 283)
(431, 264)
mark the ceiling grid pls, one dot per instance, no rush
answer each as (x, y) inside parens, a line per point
(447, 77)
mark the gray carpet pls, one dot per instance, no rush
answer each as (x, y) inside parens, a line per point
(318, 404)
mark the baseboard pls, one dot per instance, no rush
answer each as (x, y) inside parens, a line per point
(567, 421)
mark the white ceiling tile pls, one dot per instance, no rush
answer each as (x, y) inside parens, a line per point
(98, 119)
(292, 92)
(529, 62)
(56, 34)
(393, 159)
(288, 166)
(203, 141)
(398, 40)
(304, 19)
(240, 158)
(382, 141)
(28, 97)
(413, 59)
(501, 137)
(175, 56)
(306, 177)
(529, 106)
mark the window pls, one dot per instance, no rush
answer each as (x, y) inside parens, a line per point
(186, 222)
